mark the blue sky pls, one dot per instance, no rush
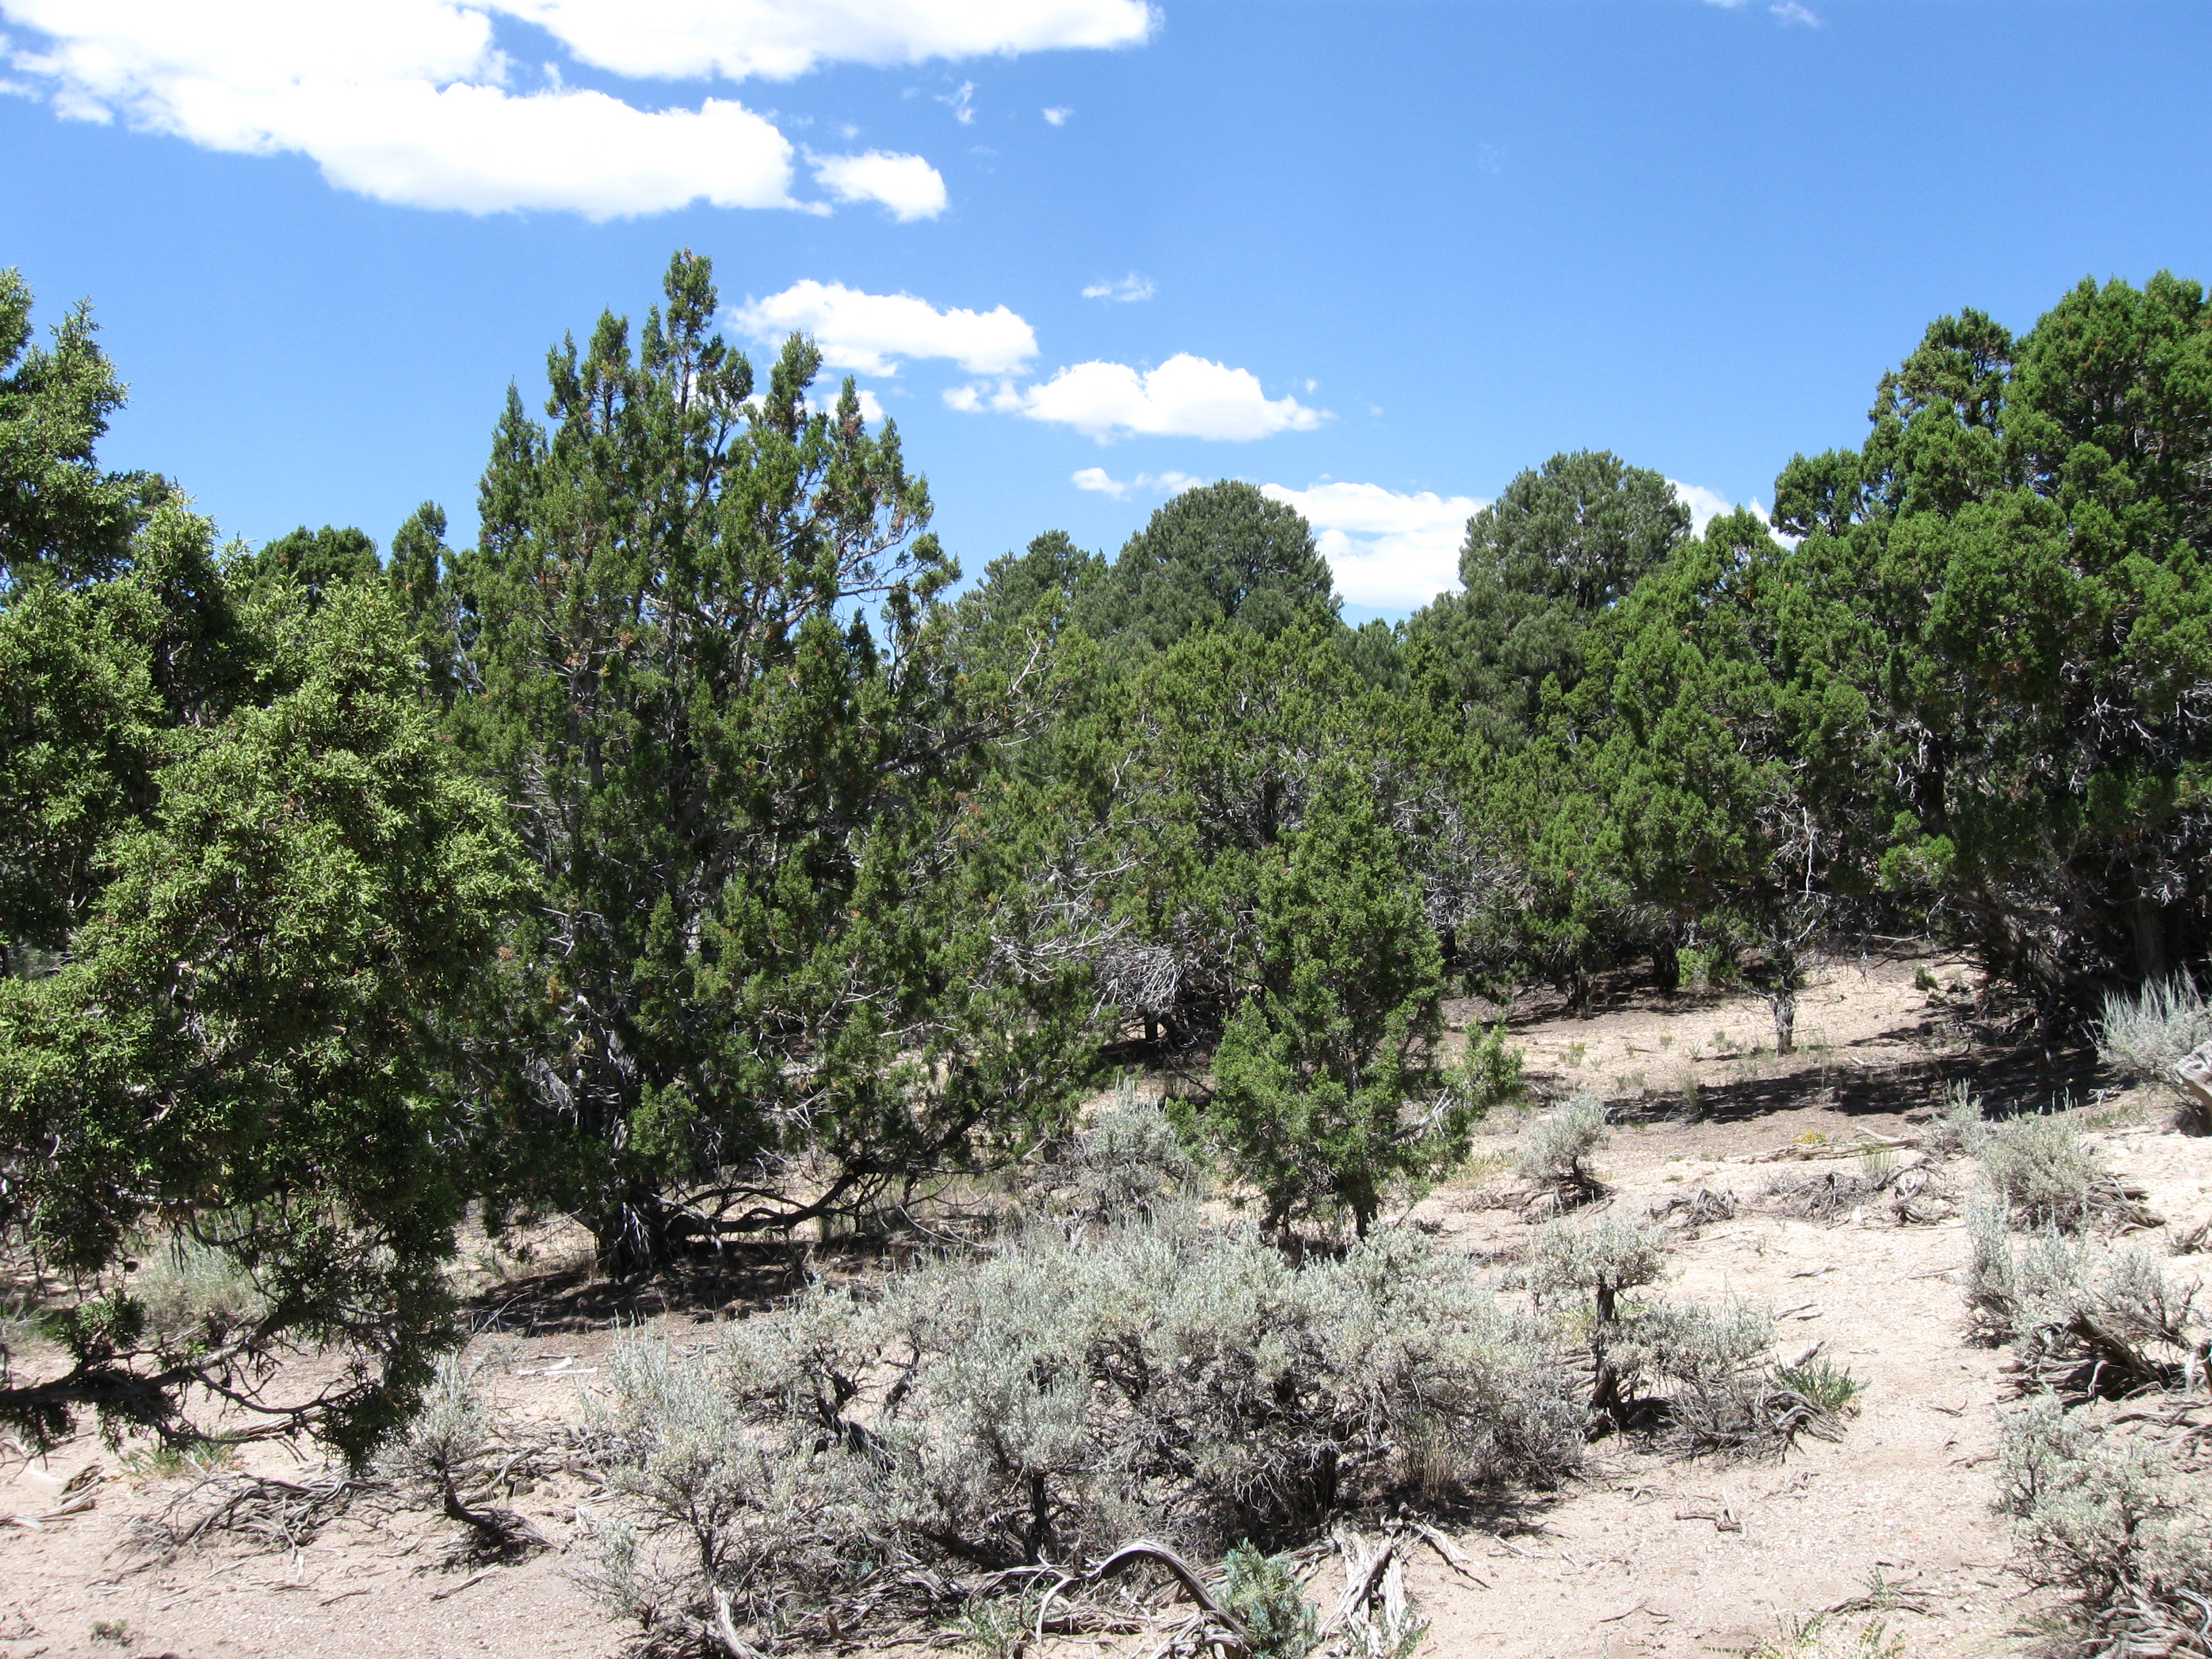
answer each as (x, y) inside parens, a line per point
(1378, 256)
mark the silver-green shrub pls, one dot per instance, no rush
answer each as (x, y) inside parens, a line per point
(1128, 1163)
(1959, 1127)
(1047, 1401)
(195, 1295)
(2086, 1321)
(1705, 1371)
(1554, 1155)
(2121, 1522)
(2046, 1176)
(2146, 1031)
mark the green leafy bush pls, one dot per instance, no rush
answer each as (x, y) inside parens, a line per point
(1271, 1604)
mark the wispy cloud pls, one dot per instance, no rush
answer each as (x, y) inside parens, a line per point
(1058, 115)
(1122, 289)
(1787, 11)
(1098, 480)
(962, 99)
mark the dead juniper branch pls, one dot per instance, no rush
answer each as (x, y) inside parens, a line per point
(1906, 1194)
(1372, 1619)
(1692, 1211)
(278, 1513)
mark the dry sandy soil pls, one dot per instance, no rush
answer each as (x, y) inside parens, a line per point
(1640, 1555)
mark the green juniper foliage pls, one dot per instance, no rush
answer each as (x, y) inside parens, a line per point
(715, 692)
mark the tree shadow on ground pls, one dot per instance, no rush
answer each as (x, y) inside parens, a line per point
(2010, 1079)
(743, 1276)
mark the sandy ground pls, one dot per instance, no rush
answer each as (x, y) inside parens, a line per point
(1640, 1555)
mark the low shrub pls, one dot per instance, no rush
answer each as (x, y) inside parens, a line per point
(2145, 1032)
(446, 1454)
(1822, 1638)
(195, 1297)
(2085, 1321)
(2120, 1523)
(1554, 1156)
(1959, 1127)
(1271, 1604)
(1130, 1164)
(2047, 1177)
(1701, 1372)
(1826, 1385)
(841, 1459)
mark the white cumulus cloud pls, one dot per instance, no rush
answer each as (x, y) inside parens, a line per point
(1185, 397)
(1125, 289)
(1387, 550)
(871, 333)
(822, 400)
(1057, 115)
(776, 40)
(413, 102)
(1096, 478)
(1706, 505)
(906, 185)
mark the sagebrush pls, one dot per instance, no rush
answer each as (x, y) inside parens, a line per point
(1047, 1401)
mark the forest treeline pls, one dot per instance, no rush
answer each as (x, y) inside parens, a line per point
(683, 857)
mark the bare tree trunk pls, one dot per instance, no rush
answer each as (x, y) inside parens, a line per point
(2147, 922)
(1784, 1000)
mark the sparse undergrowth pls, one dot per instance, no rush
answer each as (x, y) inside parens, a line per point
(2101, 1465)
(1701, 1375)
(1822, 1637)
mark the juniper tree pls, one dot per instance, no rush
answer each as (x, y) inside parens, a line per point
(246, 1040)
(1731, 750)
(2023, 534)
(1221, 555)
(714, 689)
(1560, 544)
(1318, 1068)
